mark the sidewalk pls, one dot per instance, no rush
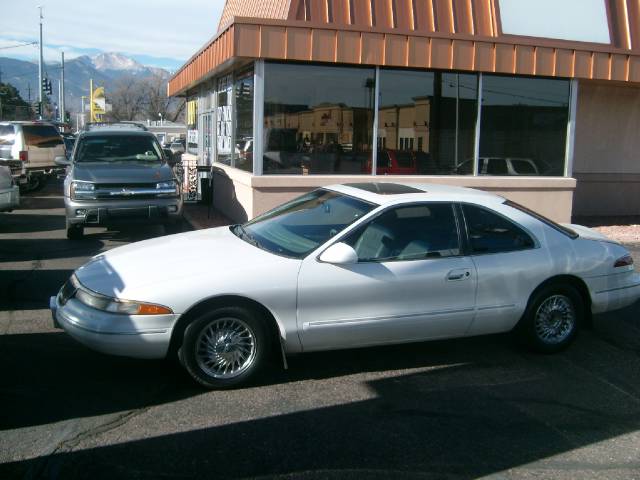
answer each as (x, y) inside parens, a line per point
(198, 216)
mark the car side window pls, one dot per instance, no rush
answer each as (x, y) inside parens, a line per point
(492, 233)
(413, 232)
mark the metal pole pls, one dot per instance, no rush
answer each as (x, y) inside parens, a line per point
(376, 102)
(40, 77)
(61, 101)
(91, 100)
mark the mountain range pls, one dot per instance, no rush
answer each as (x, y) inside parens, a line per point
(105, 69)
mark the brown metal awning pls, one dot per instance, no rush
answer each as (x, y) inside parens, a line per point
(437, 34)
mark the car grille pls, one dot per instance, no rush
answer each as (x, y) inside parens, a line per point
(128, 191)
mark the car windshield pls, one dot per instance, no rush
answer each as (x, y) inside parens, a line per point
(302, 225)
(118, 148)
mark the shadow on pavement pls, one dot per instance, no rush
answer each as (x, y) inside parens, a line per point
(28, 202)
(30, 289)
(430, 424)
(17, 222)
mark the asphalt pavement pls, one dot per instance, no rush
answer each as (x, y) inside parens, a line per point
(460, 409)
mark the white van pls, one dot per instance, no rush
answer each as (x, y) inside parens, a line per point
(36, 145)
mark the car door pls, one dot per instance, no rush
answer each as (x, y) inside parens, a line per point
(411, 282)
(509, 265)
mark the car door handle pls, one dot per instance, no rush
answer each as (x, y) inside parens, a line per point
(454, 275)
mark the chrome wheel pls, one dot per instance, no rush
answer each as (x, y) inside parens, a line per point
(555, 319)
(225, 348)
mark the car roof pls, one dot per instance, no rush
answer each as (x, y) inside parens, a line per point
(108, 132)
(386, 193)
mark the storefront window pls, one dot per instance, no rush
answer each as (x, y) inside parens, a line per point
(224, 134)
(243, 158)
(523, 126)
(426, 122)
(317, 119)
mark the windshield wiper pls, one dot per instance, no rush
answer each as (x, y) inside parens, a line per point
(241, 232)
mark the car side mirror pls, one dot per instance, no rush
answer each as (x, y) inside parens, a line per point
(62, 161)
(339, 254)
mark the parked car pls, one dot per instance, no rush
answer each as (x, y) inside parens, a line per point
(498, 166)
(341, 267)
(117, 176)
(36, 145)
(9, 191)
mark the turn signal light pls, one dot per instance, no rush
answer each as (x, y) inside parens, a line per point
(23, 156)
(150, 309)
(623, 261)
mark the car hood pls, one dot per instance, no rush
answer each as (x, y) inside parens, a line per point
(175, 266)
(122, 172)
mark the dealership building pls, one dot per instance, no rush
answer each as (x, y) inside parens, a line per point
(538, 101)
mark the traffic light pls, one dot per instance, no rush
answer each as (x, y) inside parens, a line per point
(46, 86)
(38, 108)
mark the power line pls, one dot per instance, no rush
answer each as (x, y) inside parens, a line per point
(19, 45)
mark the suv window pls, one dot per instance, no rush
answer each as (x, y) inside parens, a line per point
(118, 148)
(43, 136)
(412, 232)
(492, 233)
(523, 167)
(7, 135)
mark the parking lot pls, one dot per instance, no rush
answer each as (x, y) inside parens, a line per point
(478, 407)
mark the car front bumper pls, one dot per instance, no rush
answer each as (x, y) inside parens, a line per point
(101, 213)
(138, 336)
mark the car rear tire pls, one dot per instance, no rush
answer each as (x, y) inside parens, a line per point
(552, 318)
(225, 348)
(75, 232)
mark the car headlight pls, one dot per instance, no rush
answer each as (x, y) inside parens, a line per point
(83, 190)
(116, 305)
(167, 189)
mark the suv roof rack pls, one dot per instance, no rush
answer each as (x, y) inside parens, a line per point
(125, 125)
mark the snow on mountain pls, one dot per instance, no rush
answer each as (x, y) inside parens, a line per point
(115, 61)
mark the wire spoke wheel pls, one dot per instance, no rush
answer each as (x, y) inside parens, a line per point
(555, 319)
(225, 348)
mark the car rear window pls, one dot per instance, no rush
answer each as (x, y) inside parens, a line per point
(7, 135)
(556, 226)
(42, 136)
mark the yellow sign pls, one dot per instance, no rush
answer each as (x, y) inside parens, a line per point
(97, 102)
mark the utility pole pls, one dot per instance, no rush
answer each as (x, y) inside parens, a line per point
(29, 93)
(40, 77)
(61, 99)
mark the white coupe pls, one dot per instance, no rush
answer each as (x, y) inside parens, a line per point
(341, 267)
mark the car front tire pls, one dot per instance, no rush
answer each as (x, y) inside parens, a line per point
(225, 348)
(552, 318)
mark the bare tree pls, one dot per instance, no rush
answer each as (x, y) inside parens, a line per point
(141, 98)
(128, 99)
(159, 103)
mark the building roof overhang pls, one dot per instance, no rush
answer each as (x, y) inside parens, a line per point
(472, 42)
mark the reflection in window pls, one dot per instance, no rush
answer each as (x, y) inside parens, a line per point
(317, 119)
(224, 134)
(523, 126)
(428, 116)
(244, 121)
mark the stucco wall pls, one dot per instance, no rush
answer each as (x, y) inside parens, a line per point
(607, 150)
(240, 195)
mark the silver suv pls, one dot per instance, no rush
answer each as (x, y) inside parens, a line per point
(116, 176)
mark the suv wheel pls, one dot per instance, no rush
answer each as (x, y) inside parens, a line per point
(74, 232)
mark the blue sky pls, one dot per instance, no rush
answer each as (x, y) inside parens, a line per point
(161, 33)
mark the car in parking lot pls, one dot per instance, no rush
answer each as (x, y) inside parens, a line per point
(341, 267)
(498, 166)
(36, 145)
(118, 174)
